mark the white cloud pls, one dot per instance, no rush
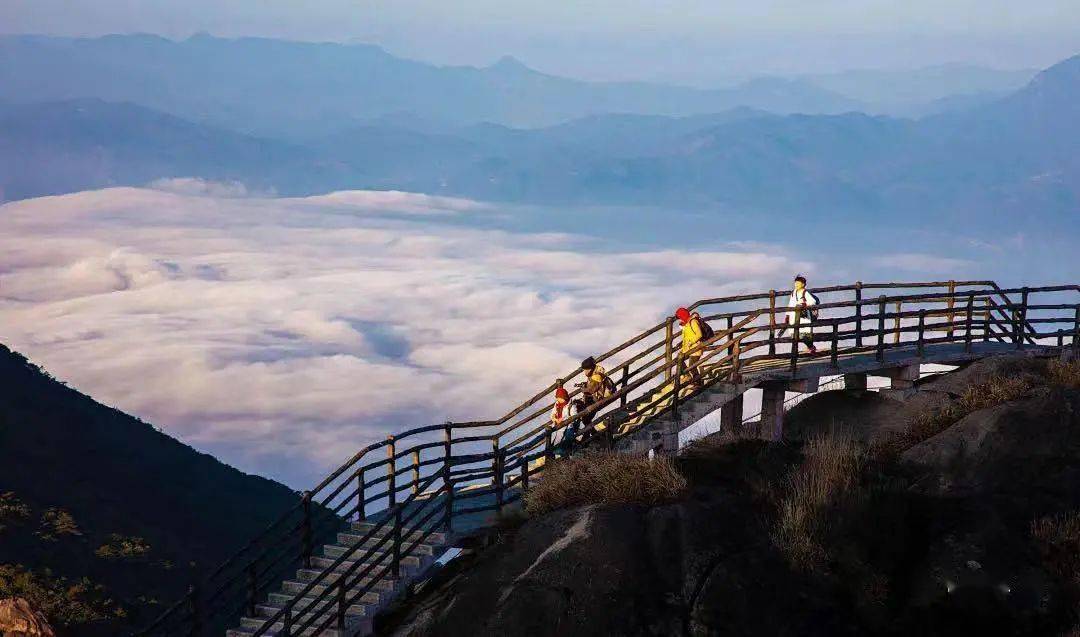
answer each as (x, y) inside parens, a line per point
(282, 334)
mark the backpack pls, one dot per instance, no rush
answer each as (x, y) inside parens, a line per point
(706, 329)
(811, 310)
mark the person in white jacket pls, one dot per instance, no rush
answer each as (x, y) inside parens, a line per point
(800, 302)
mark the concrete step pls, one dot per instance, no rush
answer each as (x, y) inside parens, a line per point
(410, 565)
(435, 538)
(334, 551)
(306, 575)
(354, 539)
(356, 626)
(370, 598)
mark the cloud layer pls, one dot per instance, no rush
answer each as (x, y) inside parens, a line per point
(282, 334)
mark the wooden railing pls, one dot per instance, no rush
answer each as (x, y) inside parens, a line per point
(422, 480)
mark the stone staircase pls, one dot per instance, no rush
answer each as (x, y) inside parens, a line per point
(359, 616)
(661, 426)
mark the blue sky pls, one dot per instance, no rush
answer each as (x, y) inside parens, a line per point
(695, 41)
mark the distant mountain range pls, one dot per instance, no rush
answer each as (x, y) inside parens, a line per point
(1012, 155)
(298, 90)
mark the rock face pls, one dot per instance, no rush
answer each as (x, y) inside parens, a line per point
(948, 551)
(705, 566)
(19, 619)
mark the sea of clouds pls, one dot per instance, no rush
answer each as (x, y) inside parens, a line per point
(281, 334)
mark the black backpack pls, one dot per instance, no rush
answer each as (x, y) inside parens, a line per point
(706, 329)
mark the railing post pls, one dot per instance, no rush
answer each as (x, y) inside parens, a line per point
(669, 338)
(497, 474)
(307, 537)
(920, 345)
(391, 472)
(524, 462)
(881, 329)
(1016, 326)
(397, 542)
(950, 304)
(896, 324)
(361, 496)
(286, 621)
(834, 355)
(549, 447)
(195, 607)
(341, 602)
(252, 588)
(416, 471)
(736, 363)
(677, 389)
(772, 322)
(986, 320)
(1076, 330)
(625, 382)
(447, 480)
(795, 340)
(968, 321)
(1023, 317)
(858, 314)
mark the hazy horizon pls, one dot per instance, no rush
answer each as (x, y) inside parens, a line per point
(693, 42)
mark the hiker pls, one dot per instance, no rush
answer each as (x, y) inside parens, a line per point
(802, 302)
(694, 332)
(561, 411)
(596, 388)
(561, 414)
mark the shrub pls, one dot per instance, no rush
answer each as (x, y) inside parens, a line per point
(605, 478)
(994, 391)
(122, 548)
(55, 523)
(827, 480)
(64, 603)
(12, 509)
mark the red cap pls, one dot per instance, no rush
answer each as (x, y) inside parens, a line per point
(562, 394)
(682, 314)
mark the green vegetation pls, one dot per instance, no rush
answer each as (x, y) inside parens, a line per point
(605, 478)
(12, 509)
(65, 603)
(57, 523)
(119, 547)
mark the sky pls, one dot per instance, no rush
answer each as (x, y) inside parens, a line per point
(687, 41)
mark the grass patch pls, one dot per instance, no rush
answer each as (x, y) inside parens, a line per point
(119, 547)
(605, 478)
(56, 523)
(995, 391)
(827, 481)
(1064, 374)
(1058, 540)
(12, 509)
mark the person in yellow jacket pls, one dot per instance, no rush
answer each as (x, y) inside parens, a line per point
(693, 332)
(596, 388)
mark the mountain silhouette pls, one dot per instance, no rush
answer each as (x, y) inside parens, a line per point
(115, 476)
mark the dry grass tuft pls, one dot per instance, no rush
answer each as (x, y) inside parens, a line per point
(826, 481)
(996, 391)
(1058, 539)
(605, 478)
(1064, 374)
